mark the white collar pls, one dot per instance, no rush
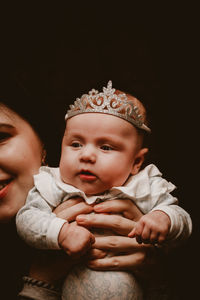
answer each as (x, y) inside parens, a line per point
(136, 187)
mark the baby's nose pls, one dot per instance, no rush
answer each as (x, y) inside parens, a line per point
(88, 154)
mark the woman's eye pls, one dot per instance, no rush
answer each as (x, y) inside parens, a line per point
(4, 136)
(106, 148)
(76, 145)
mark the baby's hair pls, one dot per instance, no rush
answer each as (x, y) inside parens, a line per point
(136, 102)
(142, 111)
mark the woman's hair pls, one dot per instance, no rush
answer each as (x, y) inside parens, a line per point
(15, 96)
(30, 107)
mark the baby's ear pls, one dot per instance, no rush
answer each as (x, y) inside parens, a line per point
(139, 159)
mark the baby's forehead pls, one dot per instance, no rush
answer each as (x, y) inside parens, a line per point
(100, 123)
(99, 118)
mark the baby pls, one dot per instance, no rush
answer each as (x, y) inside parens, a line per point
(102, 153)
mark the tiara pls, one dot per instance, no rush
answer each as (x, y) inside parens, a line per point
(107, 102)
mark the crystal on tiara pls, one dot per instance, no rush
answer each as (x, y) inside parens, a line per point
(107, 102)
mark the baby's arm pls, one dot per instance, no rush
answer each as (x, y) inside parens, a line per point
(37, 224)
(174, 223)
(152, 228)
(41, 228)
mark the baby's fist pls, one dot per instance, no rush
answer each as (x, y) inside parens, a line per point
(75, 240)
(152, 228)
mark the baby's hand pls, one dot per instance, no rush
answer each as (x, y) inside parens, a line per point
(75, 240)
(152, 228)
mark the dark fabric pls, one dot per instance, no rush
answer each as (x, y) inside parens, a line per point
(15, 259)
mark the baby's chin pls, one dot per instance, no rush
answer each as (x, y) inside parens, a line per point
(90, 193)
(90, 189)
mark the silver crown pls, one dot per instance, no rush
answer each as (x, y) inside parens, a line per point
(110, 103)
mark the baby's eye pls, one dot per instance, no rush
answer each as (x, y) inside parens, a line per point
(76, 145)
(4, 136)
(106, 148)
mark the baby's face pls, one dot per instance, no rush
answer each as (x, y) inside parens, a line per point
(99, 151)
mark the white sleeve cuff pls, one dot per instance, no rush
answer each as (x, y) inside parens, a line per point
(53, 232)
(181, 224)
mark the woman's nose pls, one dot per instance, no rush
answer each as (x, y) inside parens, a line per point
(88, 154)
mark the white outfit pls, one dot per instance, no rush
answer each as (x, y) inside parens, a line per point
(39, 226)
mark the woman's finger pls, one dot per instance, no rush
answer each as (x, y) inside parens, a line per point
(123, 206)
(70, 213)
(116, 223)
(118, 244)
(96, 253)
(122, 262)
(67, 204)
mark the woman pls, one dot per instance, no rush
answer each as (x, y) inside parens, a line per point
(21, 154)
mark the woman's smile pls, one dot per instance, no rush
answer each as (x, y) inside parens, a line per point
(20, 159)
(4, 187)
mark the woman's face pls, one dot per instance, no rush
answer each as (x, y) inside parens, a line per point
(20, 159)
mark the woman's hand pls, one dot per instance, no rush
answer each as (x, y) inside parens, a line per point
(124, 207)
(143, 260)
(123, 217)
(128, 254)
(71, 208)
(116, 223)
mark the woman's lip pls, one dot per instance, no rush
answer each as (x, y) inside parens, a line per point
(4, 191)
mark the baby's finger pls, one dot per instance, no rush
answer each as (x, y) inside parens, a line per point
(138, 231)
(161, 239)
(154, 237)
(146, 235)
(132, 233)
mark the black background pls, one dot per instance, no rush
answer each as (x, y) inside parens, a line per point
(149, 50)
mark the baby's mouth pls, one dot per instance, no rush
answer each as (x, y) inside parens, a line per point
(87, 175)
(86, 172)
